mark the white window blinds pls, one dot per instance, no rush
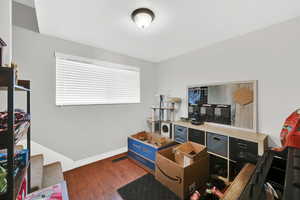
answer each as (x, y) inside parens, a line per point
(80, 81)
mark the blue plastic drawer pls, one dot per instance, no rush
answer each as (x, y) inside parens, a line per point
(180, 130)
(180, 139)
(217, 143)
(141, 160)
(180, 134)
(142, 149)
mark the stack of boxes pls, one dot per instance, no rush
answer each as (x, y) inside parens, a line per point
(183, 168)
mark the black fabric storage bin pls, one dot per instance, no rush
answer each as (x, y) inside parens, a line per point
(197, 136)
(243, 151)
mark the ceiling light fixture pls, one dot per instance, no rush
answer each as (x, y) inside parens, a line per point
(142, 17)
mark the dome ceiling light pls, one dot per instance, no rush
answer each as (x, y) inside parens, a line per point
(142, 17)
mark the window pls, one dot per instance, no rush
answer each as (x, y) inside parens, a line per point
(81, 81)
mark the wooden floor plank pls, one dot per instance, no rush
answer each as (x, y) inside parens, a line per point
(100, 180)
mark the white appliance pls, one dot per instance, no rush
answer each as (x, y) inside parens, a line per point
(166, 129)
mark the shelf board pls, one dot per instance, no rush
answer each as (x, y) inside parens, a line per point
(163, 108)
(162, 121)
(21, 88)
(17, 87)
(22, 85)
(217, 155)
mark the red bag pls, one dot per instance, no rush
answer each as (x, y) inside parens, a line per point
(290, 133)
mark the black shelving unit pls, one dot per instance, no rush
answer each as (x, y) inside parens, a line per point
(7, 139)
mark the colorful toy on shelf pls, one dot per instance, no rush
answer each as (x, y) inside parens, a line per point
(290, 133)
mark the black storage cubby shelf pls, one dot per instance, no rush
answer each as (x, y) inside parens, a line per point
(229, 149)
(7, 138)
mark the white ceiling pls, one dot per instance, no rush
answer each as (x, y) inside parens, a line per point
(179, 27)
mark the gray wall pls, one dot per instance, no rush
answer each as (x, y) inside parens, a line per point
(77, 131)
(6, 28)
(270, 56)
(24, 16)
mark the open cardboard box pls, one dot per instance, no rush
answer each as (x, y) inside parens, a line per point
(182, 180)
(152, 138)
(188, 153)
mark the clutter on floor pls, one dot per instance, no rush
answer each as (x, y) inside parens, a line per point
(184, 170)
(148, 187)
(212, 190)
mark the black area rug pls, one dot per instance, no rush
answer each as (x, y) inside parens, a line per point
(146, 188)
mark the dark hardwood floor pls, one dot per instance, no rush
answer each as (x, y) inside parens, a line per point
(100, 180)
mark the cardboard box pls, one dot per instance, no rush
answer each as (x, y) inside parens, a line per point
(188, 153)
(152, 138)
(142, 148)
(183, 181)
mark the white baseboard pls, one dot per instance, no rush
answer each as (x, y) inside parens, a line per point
(92, 159)
(51, 156)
